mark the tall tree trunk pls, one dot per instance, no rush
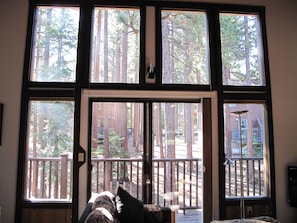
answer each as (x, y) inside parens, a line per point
(35, 111)
(247, 51)
(170, 142)
(97, 48)
(165, 45)
(135, 127)
(187, 106)
(47, 43)
(228, 131)
(106, 47)
(159, 132)
(189, 127)
(97, 54)
(106, 108)
(124, 53)
(250, 149)
(169, 108)
(107, 167)
(95, 125)
(118, 60)
(124, 79)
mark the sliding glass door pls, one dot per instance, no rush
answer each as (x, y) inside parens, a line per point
(153, 149)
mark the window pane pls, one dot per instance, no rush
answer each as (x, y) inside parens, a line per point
(115, 46)
(55, 44)
(241, 43)
(245, 145)
(185, 52)
(49, 150)
(177, 155)
(117, 146)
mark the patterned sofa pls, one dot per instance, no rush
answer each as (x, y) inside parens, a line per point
(123, 208)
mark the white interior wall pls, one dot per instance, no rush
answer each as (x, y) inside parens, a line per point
(281, 19)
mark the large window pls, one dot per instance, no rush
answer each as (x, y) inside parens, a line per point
(84, 47)
(242, 65)
(49, 150)
(245, 147)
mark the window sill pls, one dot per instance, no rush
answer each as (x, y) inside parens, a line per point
(47, 203)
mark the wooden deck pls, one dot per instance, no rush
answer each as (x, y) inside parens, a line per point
(190, 216)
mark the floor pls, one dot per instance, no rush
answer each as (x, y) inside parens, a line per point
(190, 216)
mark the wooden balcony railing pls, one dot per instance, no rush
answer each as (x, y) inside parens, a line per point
(174, 181)
(49, 177)
(253, 177)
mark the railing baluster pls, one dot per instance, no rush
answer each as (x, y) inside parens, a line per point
(36, 180)
(97, 176)
(137, 178)
(229, 179)
(50, 180)
(164, 181)
(197, 182)
(247, 178)
(259, 176)
(177, 179)
(30, 179)
(254, 179)
(42, 182)
(184, 184)
(190, 166)
(171, 181)
(56, 173)
(63, 184)
(158, 181)
(235, 178)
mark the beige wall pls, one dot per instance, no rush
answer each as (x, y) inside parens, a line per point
(281, 19)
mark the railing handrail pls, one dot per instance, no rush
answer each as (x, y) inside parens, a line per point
(46, 158)
(140, 159)
(245, 158)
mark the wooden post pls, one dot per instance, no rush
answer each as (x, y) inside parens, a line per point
(64, 170)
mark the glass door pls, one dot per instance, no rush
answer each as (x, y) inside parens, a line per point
(177, 158)
(154, 150)
(116, 145)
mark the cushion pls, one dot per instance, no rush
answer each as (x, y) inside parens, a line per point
(267, 219)
(130, 209)
(153, 213)
(102, 215)
(104, 200)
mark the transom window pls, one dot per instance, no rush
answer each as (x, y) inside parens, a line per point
(54, 45)
(185, 47)
(115, 45)
(242, 53)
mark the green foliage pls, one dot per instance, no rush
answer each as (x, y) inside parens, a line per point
(115, 146)
(239, 46)
(186, 49)
(56, 122)
(56, 44)
(258, 149)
